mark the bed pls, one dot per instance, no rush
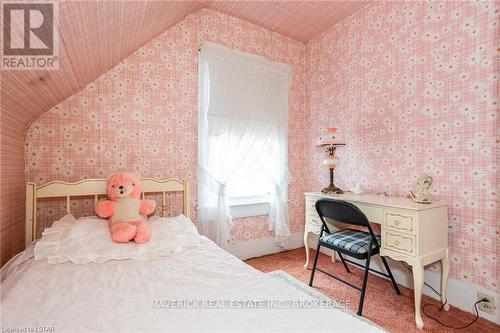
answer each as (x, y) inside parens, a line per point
(201, 289)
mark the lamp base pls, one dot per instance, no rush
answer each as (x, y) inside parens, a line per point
(332, 189)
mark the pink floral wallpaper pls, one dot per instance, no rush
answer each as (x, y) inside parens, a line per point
(142, 116)
(413, 86)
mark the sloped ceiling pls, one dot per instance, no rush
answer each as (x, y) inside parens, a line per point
(96, 35)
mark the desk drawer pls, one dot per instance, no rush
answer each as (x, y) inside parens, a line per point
(374, 214)
(401, 221)
(313, 223)
(311, 204)
(400, 243)
(311, 210)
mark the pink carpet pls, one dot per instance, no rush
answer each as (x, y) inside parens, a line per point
(382, 305)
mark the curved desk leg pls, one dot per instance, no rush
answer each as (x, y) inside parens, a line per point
(418, 284)
(306, 245)
(445, 268)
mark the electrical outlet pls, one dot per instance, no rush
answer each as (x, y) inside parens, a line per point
(488, 307)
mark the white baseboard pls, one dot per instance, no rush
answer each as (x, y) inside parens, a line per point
(459, 293)
(261, 247)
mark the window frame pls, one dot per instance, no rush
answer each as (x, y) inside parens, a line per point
(250, 206)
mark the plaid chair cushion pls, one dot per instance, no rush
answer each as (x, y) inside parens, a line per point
(354, 241)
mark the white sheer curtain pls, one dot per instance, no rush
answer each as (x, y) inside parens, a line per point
(243, 108)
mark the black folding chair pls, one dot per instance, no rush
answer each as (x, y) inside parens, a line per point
(354, 243)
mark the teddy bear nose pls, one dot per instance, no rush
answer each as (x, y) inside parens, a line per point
(121, 187)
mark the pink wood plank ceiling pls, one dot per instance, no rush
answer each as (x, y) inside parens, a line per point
(299, 20)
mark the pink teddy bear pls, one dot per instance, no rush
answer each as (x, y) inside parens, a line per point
(125, 210)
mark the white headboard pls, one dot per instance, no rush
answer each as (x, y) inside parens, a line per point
(95, 188)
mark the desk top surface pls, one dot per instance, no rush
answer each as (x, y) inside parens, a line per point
(381, 200)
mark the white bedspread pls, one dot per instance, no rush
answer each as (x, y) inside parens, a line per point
(88, 239)
(132, 296)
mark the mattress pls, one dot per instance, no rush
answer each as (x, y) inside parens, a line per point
(202, 289)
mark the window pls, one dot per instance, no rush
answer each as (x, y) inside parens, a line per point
(242, 138)
(249, 191)
(247, 181)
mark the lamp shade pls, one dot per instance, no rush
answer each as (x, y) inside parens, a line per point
(331, 138)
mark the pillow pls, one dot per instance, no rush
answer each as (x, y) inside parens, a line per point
(88, 239)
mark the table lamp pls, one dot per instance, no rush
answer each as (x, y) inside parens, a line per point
(330, 140)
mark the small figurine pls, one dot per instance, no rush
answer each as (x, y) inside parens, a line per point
(421, 193)
(356, 189)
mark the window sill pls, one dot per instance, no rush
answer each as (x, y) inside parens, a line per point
(250, 208)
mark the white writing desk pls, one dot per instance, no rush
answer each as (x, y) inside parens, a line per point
(411, 232)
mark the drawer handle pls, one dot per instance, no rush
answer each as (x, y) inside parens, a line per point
(396, 242)
(397, 222)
